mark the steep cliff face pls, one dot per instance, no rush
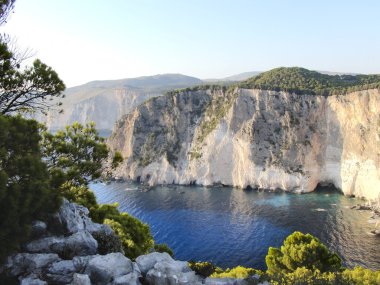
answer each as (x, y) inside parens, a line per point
(256, 138)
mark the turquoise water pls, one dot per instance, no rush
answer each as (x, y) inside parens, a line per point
(230, 227)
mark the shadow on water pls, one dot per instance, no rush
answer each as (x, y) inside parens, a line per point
(230, 226)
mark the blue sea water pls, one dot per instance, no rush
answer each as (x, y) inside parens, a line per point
(231, 227)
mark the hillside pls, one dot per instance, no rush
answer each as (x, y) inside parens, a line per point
(106, 101)
(303, 81)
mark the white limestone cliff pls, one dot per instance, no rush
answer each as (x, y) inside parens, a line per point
(256, 138)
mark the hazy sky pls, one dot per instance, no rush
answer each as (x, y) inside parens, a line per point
(85, 40)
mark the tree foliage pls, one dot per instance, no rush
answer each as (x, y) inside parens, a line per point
(302, 81)
(6, 7)
(301, 250)
(24, 90)
(25, 189)
(76, 154)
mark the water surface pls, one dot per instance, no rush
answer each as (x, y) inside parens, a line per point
(230, 227)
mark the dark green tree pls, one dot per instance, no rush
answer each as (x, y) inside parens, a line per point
(300, 250)
(76, 156)
(78, 152)
(25, 192)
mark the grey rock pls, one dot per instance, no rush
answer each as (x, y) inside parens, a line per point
(81, 262)
(60, 272)
(136, 268)
(26, 263)
(81, 279)
(129, 279)
(32, 281)
(72, 218)
(102, 269)
(148, 261)
(172, 272)
(45, 245)
(80, 244)
(39, 229)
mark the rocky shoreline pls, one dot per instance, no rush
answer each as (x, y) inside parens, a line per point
(66, 250)
(375, 217)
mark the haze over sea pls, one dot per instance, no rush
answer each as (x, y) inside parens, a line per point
(231, 227)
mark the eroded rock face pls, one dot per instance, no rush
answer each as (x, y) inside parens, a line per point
(263, 139)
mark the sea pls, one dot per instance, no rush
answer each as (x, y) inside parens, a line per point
(230, 226)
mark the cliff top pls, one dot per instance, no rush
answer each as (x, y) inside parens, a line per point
(303, 81)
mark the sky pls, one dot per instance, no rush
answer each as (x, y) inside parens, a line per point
(85, 40)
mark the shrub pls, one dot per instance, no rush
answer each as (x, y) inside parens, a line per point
(360, 275)
(134, 235)
(237, 272)
(304, 276)
(107, 243)
(204, 269)
(300, 250)
(163, 247)
(81, 195)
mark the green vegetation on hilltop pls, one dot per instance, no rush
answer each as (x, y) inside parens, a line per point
(302, 81)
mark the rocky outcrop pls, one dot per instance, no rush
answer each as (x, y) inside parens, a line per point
(254, 138)
(63, 251)
(70, 256)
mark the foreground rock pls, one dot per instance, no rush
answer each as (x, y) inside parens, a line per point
(65, 251)
(161, 269)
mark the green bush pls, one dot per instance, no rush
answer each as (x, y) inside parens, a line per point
(237, 272)
(107, 243)
(304, 276)
(163, 247)
(135, 236)
(204, 269)
(300, 250)
(81, 195)
(362, 276)
(25, 189)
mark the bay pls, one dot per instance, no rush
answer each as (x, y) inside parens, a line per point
(230, 227)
